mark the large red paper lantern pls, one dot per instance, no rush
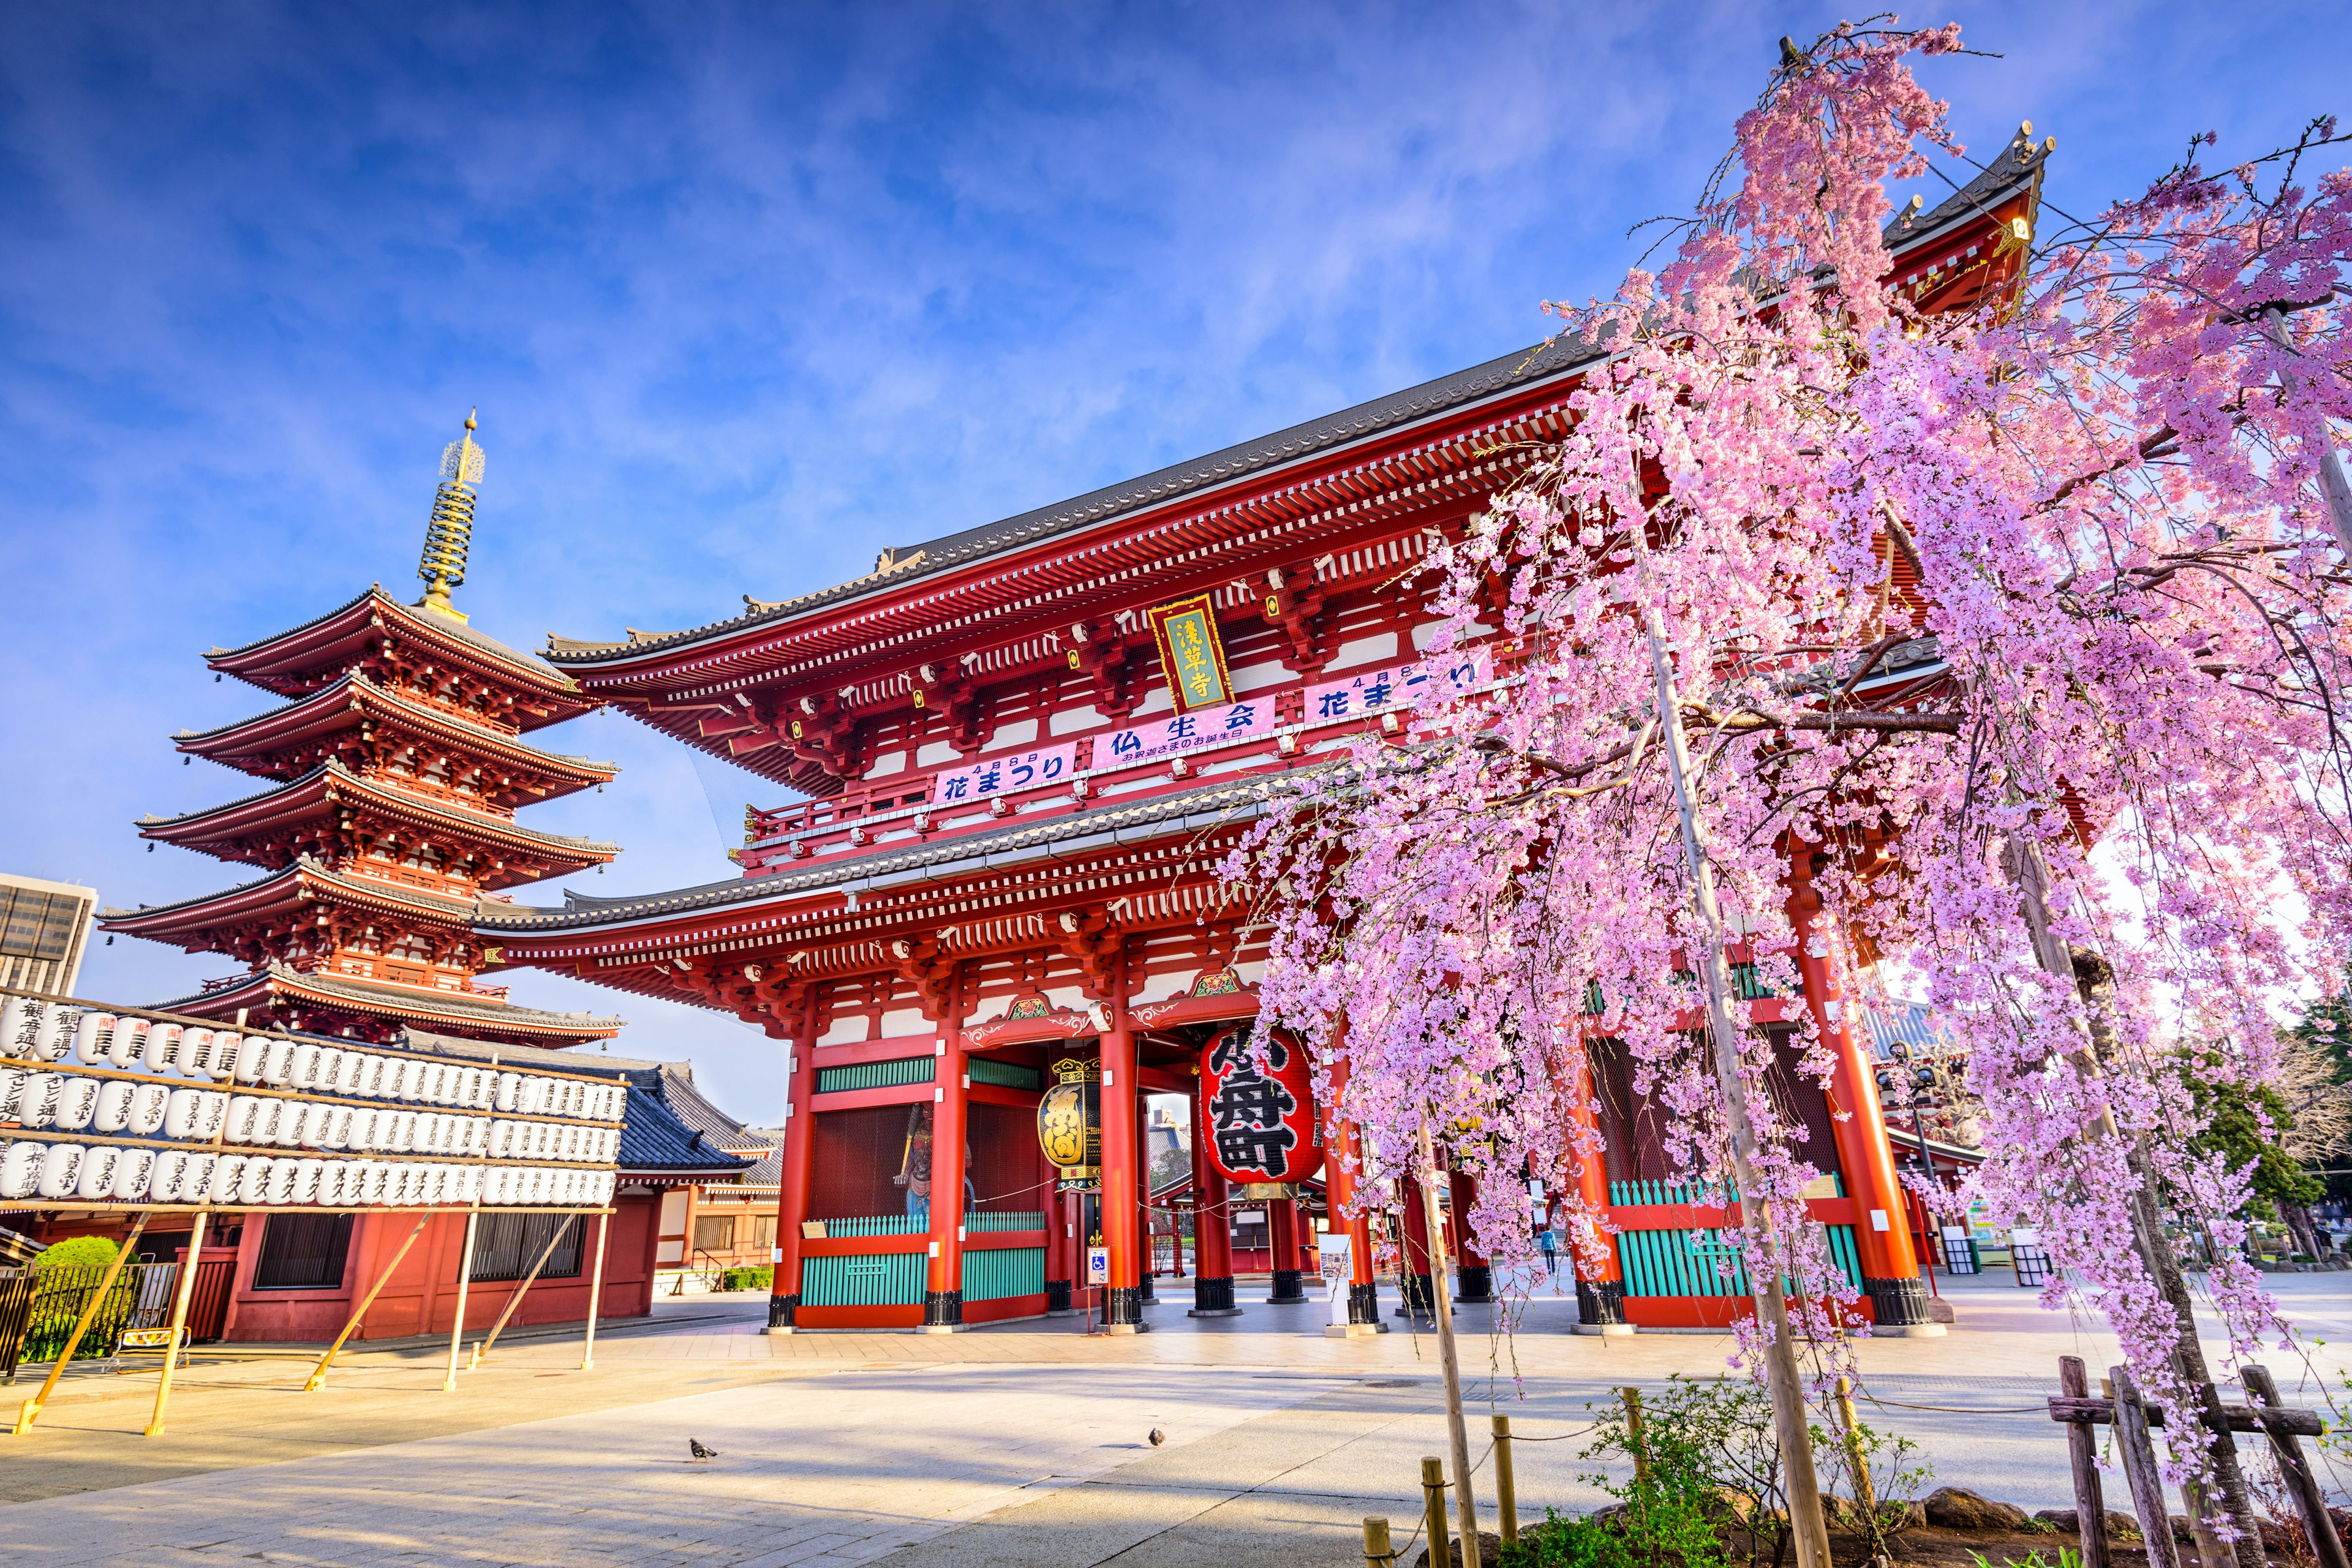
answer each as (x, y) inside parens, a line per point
(1258, 1098)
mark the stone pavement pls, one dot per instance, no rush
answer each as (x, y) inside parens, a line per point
(1019, 1443)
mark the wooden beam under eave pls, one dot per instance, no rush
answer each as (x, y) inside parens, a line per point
(744, 745)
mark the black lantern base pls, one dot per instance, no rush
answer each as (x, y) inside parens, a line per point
(1286, 1289)
(943, 1310)
(1214, 1298)
(1474, 1283)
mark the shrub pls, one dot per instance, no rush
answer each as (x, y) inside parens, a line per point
(80, 1252)
(759, 1279)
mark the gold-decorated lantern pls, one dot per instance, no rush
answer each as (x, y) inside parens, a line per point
(1069, 1125)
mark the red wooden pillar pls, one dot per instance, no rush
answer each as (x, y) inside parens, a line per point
(796, 1163)
(1342, 1190)
(1890, 1267)
(943, 1278)
(1212, 1223)
(1123, 1301)
(1413, 1264)
(1600, 1286)
(1282, 1251)
(1474, 1278)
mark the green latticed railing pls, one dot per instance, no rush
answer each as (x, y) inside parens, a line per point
(1003, 1271)
(1004, 1074)
(877, 1075)
(876, 1225)
(1706, 1263)
(975, 1222)
(888, 1279)
(1638, 1193)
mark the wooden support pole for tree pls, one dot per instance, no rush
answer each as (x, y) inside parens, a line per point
(1506, 1486)
(1378, 1553)
(2024, 862)
(2295, 1471)
(319, 1373)
(1440, 1302)
(1865, 1496)
(91, 1309)
(465, 1280)
(1760, 1247)
(2082, 1457)
(528, 1280)
(1636, 1438)
(2138, 1451)
(1432, 1511)
(182, 1288)
(596, 1293)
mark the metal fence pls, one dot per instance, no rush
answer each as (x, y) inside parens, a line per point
(38, 1308)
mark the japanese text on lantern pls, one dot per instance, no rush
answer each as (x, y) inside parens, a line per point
(997, 775)
(1251, 1111)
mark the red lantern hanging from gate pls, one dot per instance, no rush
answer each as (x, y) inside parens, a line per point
(1258, 1097)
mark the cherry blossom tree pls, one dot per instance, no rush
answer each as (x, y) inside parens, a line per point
(2100, 515)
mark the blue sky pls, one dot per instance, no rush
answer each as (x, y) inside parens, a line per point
(747, 293)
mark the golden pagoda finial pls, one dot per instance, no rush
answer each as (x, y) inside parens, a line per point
(451, 528)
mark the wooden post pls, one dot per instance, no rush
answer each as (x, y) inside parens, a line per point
(2295, 1471)
(184, 1286)
(1465, 1502)
(1865, 1496)
(319, 1373)
(1378, 1553)
(32, 1409)
(2139, 1455)
(2082, 1456)
(1635, 1439)
(1432, 1511)
(465, 1281)
(1507, 1489)
(596, 1293)
(516, 1300)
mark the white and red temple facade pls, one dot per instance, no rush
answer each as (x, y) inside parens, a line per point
(396, 765)
(1006, 860)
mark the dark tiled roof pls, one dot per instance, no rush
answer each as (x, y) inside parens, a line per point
(446, 625)
(395, 1000)
(674, 1082)
(1231, 800)
(770, 1170)
(2019, 161)
(654, 1141)
(602, 1063)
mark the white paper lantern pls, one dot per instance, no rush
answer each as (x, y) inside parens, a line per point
(60, 1169)
(96, 1179)
(77, 1104)
(20, 1169)
(225, 1181)
(132, 1173)
(125, 1045)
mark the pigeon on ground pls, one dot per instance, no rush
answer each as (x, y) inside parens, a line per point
(694, 1446)
(1158, 1437)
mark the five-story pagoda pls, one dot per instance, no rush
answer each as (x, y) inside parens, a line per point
(397, 767)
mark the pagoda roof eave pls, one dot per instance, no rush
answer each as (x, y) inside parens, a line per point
(371, 999)
(280, 888)
(1259, 462)
(1226, 802)
(320, 710)
(310, 792)
(256, 661)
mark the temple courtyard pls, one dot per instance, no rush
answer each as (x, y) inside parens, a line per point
(1027, 1443)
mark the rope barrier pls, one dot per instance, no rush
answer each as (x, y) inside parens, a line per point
(1959, 1409)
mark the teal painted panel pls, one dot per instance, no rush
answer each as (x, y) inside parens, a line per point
(1003, 1271)
(976, 1222)
(877, 1075)
(886, 1280)
(1004, 1074)
(1842, 1251)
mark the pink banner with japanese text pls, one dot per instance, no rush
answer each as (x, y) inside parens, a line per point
(1422, 684)
(1183, 731)
(1002, 776)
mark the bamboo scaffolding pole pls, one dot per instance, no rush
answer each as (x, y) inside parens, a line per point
(516, 1300)
(319, 1373)
(595, 1294)
(184, 1288)
(32, 1408)
(464, 1282)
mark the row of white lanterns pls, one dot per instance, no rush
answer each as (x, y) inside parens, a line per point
(112, 1173)
(35, 1031)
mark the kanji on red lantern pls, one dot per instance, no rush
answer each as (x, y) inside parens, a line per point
(1259, 1102)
